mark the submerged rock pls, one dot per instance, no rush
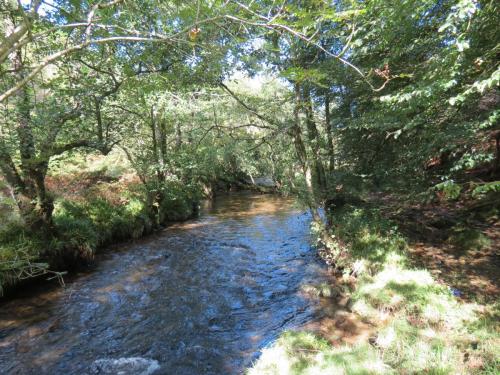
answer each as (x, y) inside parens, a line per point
(125, 366)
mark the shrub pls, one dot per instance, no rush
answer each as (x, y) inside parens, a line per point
(76, 233)
(179, 201)
(20, 252)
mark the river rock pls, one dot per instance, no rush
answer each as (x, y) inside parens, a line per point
(125, 366)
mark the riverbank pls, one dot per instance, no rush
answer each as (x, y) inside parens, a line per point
(98, 201)
(400, 317)
(113, 211)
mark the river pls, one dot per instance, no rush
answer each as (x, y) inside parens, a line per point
(200, 297)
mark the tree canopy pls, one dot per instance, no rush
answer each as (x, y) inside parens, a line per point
(399, 94)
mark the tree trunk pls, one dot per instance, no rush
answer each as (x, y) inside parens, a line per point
(100, 127)
(313, 136)
(159, 148)
(178, 136)
(496, 163)
(329, 134)
(302, 154)
(156, 146)
(35, 205)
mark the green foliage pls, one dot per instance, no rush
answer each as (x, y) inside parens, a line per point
(179, 201)
(82, 227)
(412, 89)
(413, 98)
(76, 230)
(449, 188)
(484, 189)
(98, 222)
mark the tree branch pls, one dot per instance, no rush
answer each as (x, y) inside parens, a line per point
(15, 36)
(271, 25)
(121, 38)
(60, 149)
(247, 107)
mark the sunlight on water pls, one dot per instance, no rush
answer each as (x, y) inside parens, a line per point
(203, 297)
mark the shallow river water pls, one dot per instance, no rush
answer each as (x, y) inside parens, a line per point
(201, 297)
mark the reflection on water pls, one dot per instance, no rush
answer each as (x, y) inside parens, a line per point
(203, 297)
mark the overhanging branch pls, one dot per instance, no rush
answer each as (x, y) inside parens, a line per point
(247, 107)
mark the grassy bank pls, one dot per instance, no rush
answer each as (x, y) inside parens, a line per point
(95, 207)
(417, 324)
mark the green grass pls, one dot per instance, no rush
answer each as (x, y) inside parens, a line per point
(421, 327)
(305, 353)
